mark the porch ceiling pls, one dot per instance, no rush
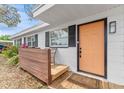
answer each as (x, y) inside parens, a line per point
(62, 13)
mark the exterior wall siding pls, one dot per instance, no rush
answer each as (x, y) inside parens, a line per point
(115, 45)
(116, 52)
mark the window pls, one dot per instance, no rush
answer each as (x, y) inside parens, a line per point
(19, 42)
(15, 42)
(29, 41)
(59, 38)
(32, 41)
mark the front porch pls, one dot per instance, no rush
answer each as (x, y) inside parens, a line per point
(39, 63)
(57, 70)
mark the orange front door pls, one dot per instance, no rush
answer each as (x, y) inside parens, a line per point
(91, 44)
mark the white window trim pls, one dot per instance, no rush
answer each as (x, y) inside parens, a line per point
(32, 36)
(59, 46)
(18, 43)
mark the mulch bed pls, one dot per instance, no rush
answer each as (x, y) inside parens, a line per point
(13, 77)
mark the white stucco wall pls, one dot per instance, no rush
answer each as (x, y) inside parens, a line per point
(115, 46)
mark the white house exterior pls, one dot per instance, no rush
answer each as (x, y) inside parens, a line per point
(61, 16)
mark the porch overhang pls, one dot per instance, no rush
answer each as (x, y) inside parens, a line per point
(56, 15)
(63, 13)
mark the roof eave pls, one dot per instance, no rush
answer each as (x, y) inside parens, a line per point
(26, 31)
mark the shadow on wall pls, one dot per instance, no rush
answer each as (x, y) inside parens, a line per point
(67, 56)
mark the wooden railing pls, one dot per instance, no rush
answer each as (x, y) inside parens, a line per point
(37, 62)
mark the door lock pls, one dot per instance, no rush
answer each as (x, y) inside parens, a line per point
(80, 52)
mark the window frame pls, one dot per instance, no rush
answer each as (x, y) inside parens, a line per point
(58, 46)
(32, 41)
(19, 42)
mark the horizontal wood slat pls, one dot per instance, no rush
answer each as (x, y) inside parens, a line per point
(37, 62)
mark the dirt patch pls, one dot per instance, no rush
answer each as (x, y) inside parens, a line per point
(2, 59)
(13, 77)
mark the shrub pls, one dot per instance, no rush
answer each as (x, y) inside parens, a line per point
(13, 60)
(10, 51)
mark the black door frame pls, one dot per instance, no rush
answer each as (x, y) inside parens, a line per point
(105, 47)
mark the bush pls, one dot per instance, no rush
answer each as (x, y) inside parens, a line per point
(10, 51)
(13, 60)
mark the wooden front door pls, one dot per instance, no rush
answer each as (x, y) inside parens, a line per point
(91, 48)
